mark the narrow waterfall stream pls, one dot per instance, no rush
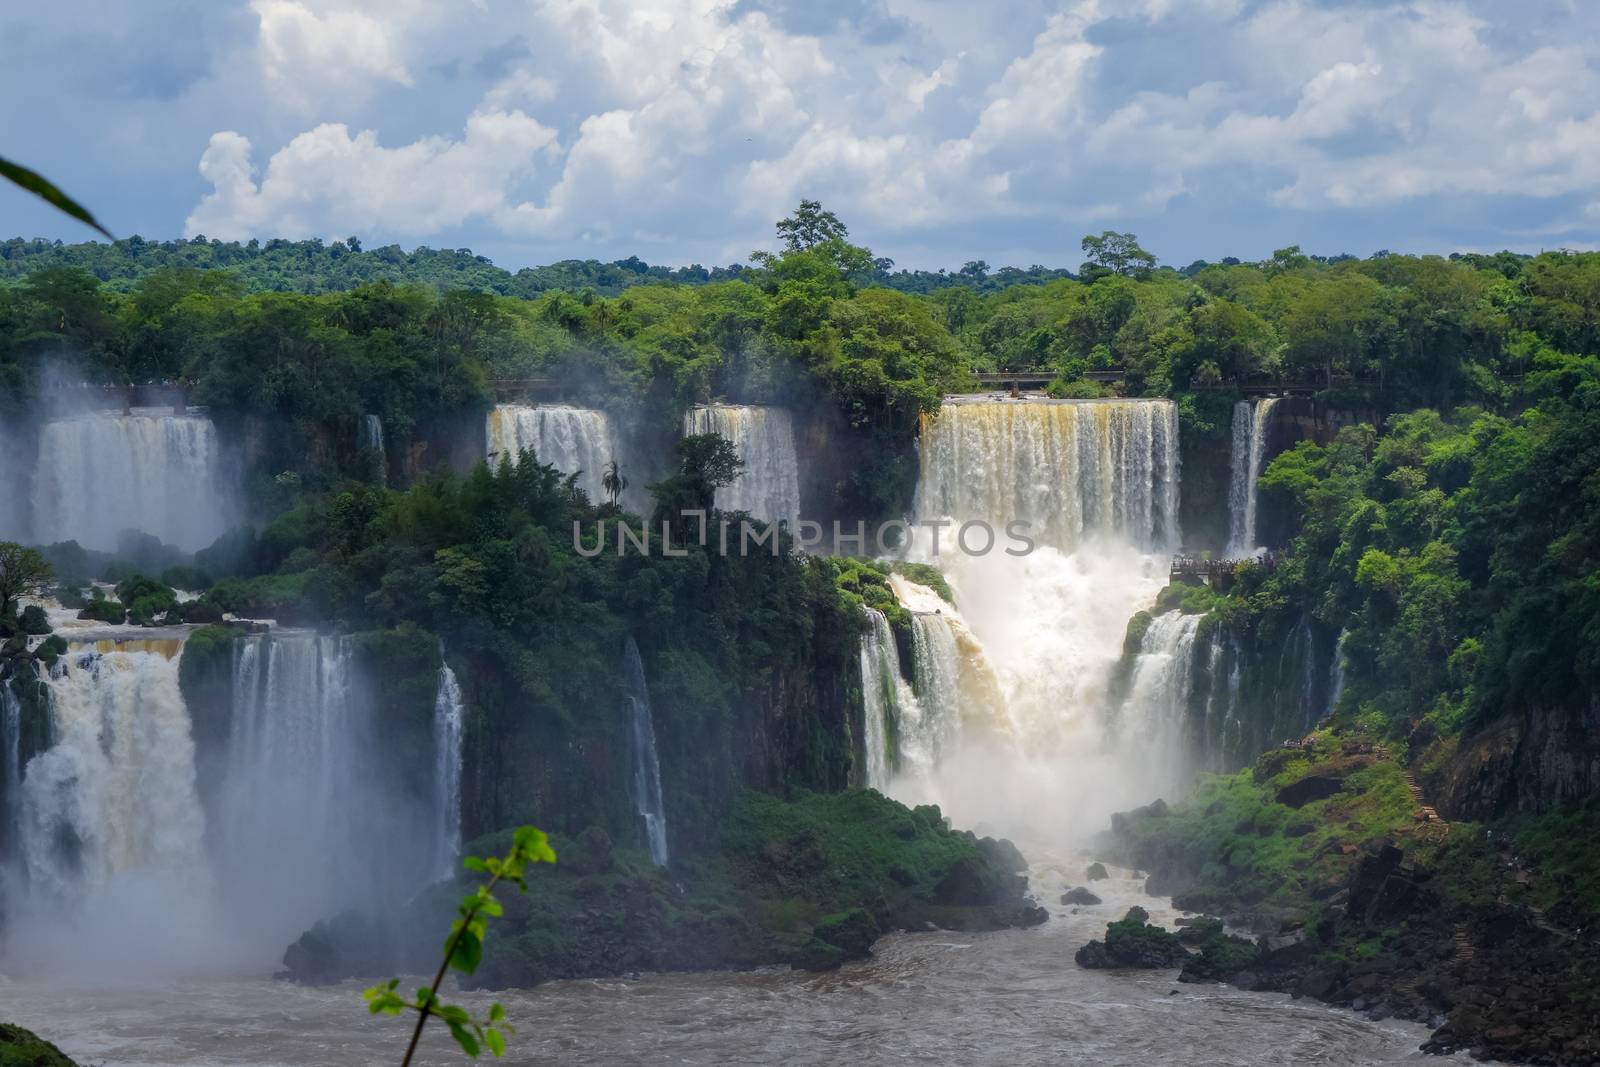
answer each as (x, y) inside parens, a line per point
(1252, 421)
(769, 485)
(372, 441)
(449, 717)
(886, 698)
(646, 778)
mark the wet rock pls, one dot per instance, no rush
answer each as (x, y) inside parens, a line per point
(1079, 895)
(1096, 872)
(1310, 788)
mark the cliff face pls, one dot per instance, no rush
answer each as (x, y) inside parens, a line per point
(1531, 762)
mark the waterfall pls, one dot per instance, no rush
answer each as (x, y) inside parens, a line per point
(570, 439)
(769, 485)
(1336, 669)
(449, 715)
(1072, 470)
(10, 763)
(1016, 724)
(298, 825)
(115, 793)
(372, 441)
(881, 691)
(100, 474)
(1251, 425)
(646, 765)
(1154, 717)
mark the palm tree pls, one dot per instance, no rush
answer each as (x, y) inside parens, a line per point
(613, 482)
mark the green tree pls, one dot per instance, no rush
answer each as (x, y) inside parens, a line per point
(23, 573)
(1116, 253)
(809, 226)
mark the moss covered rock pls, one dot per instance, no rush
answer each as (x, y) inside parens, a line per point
(1133, 942)
(23, 1048)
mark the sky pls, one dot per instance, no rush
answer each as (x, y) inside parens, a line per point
(940, 131)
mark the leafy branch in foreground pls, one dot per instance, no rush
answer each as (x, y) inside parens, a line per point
(40, 186)
(463, 950)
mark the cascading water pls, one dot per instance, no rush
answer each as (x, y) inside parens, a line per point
(1073, 471)
(110, 827)
(769, 485)
(372, 441)
(1096, 484)
(1153, 726)
(571, 439)
(646, 765)
(1336, 671)
(1251, 424)
(100, 474)
(449, 717)
(884, 694)
(10, 764)
(294, 828)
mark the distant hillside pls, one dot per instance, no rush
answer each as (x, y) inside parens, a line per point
(313, 266)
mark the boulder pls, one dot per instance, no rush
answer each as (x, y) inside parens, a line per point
(1079, 895)
(1096, 872)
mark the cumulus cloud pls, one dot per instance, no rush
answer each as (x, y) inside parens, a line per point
(694, 121)
(329, 181)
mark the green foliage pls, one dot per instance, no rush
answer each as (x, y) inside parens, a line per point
(23, 573)
(34, 182)
(463, 951)
(22, 1048)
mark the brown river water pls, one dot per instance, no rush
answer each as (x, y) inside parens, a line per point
(1012, 997)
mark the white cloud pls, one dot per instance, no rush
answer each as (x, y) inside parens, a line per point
(697, 121)
(327, 182)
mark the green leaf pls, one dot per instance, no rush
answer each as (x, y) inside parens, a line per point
(453, 1013)
(468, 952)
(464, 1038)
(36, 184)
(473, 863)
(497, 1011)
(496, 1042)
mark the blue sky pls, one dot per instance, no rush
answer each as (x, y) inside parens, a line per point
(940, 130)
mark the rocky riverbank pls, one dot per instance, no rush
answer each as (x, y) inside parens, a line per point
(811, 881)
(1361, 896)
(23, 1048)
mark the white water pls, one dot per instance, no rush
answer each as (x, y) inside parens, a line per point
(571, 439)
(296, 827)
(10, 765)
(111, 831)
(1073, 471)
(449, 717)
(1154, 719)
(889, 704)
(646, 764)
(99, 474)
(1336, 681)
(1026, 743)
(372, 441)
(1251, 425)
(769, 485)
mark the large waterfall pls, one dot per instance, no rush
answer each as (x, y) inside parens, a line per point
(769, 485)
(110, 828)
(298, 823)
(571, 439)
(1017, 717)
(449, 717)
(1251, 424)
(1071, 470)
(100, 474)
(646, 765)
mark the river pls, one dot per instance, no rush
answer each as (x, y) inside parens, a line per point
(1012, 997)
